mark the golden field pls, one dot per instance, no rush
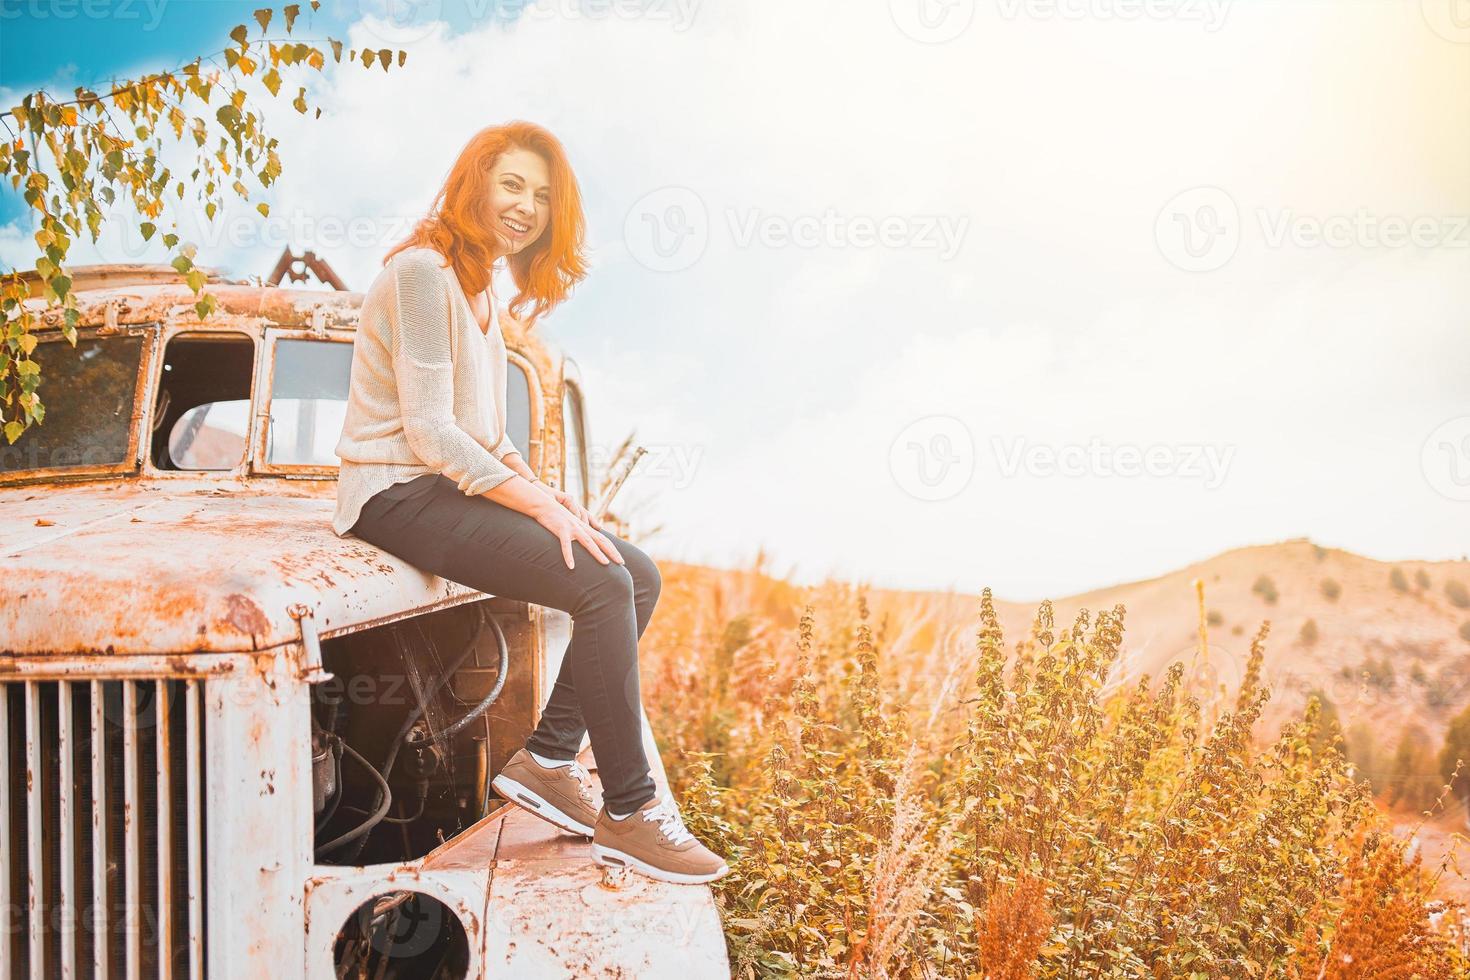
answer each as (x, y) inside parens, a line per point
(1143, 781)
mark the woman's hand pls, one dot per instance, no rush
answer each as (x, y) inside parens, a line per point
(569, 527)
(571, 504)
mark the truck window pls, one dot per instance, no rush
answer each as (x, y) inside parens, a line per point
(89, 394)
(308, 402)
(518, 408)
(575, 437)
(210, 372)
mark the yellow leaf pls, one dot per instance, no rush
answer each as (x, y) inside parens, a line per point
(272, 81)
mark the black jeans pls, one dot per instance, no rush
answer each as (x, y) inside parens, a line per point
(432, 525)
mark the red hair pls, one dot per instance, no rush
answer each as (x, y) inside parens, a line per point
(547, 269)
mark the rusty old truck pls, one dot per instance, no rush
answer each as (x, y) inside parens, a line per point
(206, 695)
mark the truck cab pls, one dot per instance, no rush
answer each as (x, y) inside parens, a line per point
(204, 690)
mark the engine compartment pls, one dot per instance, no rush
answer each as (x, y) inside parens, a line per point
(416, 718)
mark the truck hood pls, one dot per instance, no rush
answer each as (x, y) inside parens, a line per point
(183, 566)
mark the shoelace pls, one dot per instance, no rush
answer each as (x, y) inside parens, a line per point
(584, 780)
(669, 820)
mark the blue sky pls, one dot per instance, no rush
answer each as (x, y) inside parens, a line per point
(1036, 294)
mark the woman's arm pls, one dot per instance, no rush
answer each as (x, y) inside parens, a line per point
(512, 458)
(514, 461)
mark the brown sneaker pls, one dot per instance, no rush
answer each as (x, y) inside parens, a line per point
(654, 841)
(560, 795)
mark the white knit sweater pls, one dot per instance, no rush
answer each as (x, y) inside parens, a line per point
(428, 387)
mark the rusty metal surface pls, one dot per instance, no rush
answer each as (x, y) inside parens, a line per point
(177, 566)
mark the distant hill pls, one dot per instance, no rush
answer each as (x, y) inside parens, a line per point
(1408, 639)
(1396, 621)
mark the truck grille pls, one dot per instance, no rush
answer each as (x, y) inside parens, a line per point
(101, 829)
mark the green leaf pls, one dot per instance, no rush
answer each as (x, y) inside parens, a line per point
(148, 228)
(13, 430)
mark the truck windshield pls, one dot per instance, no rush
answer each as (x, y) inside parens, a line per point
(89, 393)
(308, 402)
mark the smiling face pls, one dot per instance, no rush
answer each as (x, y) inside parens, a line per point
(519, 208)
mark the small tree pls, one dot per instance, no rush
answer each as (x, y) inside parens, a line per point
(1266, 589)
(1457, 747)
(1398, 580)
(1329, 729)
(1364, 752)
(1421, 579)
(1308, 635)
(1415, 780)
(1458, 595)
(75, 157)
(1331, 590)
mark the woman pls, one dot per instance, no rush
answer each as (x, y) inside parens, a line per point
(429, 474)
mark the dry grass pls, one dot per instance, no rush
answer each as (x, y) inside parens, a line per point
(896, 805)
